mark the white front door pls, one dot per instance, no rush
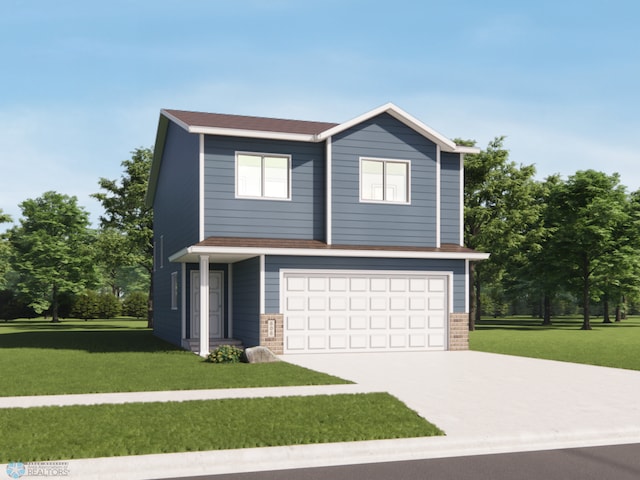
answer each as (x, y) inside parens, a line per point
(215, 304)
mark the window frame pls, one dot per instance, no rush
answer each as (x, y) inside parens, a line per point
(385, 161)
(174, 290)
(262, 156)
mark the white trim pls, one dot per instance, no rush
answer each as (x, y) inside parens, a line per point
(462, 199)
(262, 155)
(203, 349)
(399, 114)
(229, 301)
(329, 192)
(161, 251)
(262, 285)
(201, 189)
(183, 297)
(174, 290)
(384, 162)
(466, 286)
(248, 252)
(438, 199)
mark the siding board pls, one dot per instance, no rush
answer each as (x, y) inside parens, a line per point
(355, 222)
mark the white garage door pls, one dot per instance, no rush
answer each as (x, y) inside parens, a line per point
(333, 311)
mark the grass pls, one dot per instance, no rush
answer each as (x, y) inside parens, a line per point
(55, 433)
(611, 345)
(41, 358)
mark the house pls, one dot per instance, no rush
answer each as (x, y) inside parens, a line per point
(309, 236)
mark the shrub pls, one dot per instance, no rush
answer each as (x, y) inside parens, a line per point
(85, 305)
(135, 305)
(225, 354)
(108, 306)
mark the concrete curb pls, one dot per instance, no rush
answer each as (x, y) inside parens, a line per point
(332, 454)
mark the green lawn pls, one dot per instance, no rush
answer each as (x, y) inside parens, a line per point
(41, 358)
(612, 345)
(56, 433)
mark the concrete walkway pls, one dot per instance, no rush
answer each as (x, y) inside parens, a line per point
(486, 403)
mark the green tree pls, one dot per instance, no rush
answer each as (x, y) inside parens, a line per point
(499, 207)
(51, 251)
(4, 250)
(586, 213)
(125, 211)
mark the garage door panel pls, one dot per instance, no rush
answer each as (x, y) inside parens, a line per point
(378, 341)
(337, 322)
(338, 342)
(317, 303)
(358, 322)
(333, 311)
(377, 322)
(398, 322)
(317, 322)
(398, 303)
(317, 342)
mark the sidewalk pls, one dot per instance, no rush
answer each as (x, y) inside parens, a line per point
(486, 403)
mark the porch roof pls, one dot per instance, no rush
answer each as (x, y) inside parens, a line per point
(235, 249)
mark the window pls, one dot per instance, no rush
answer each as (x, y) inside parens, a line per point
(384, 181)
(174, 290)
(263, 176)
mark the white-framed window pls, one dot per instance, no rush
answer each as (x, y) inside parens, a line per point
(263, 175)
(174, 290)
(385, 181)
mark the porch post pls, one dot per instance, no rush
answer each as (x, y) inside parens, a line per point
(204, 306)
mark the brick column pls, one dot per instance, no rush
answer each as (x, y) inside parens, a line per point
(272, 332)
(458, 331)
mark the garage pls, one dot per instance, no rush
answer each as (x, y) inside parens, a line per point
(338, 311)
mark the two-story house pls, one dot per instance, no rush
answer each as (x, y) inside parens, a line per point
(309, 236)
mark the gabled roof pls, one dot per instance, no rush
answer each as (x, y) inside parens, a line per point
(244, 126)
(281, 129)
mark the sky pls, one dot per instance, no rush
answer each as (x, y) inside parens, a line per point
(82, 83)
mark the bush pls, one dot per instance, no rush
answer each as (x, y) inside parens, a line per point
(85, 305)
(135, 305)
(225, 354)
(108, 306)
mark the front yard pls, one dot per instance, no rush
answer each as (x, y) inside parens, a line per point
(38, 358)
(610, 345)
(41, 358)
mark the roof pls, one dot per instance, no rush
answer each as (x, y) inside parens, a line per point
(232, 249)
(200, 122)
(280, 129)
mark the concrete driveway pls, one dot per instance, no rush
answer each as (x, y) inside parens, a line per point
(499, 398)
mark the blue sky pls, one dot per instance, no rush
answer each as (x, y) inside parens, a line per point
(82, 83)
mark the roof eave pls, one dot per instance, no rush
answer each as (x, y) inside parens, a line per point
(186, 254)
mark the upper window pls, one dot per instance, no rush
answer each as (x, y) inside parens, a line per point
(263, 176)
(384, 180)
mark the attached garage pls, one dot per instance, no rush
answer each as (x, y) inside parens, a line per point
(350, 311)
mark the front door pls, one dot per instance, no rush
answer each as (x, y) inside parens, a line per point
(215, 304)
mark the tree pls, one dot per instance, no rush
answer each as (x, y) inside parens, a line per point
(4, 250)
(499, 206)
(126, 212)
(586, 212)
(51, 250)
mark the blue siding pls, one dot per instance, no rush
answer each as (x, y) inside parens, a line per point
(175, 224)
(273, 264)
(246, 301)
(166, 322)
(302, 217)
(450, 198)
(356, 223)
